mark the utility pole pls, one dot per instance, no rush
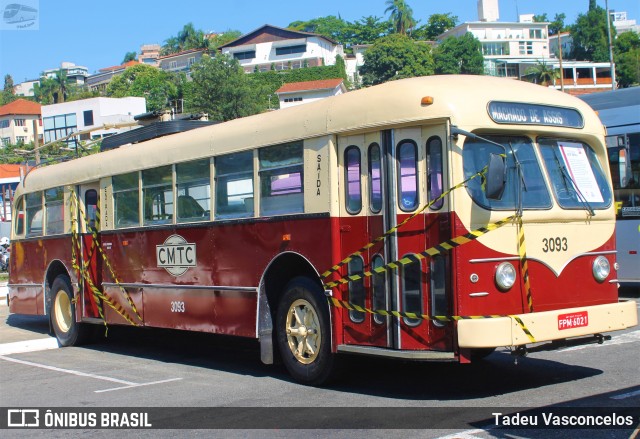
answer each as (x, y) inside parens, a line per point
(36, 141)
(613, 67)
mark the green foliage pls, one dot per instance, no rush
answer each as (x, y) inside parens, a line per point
(43, 91)
(461, 55)
(542, 73)
(395, 57)
(369, 29)
(130, 56)
(157, 86)
(330, 26)
(8, 94)
(223, 90)
(187, 38)
(223, 38)
(590, 42)
(437, 24)
(401, 15)
(627, 58)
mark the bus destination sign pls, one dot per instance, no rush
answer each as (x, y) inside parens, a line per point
(533, 114)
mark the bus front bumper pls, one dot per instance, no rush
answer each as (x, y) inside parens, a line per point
(546, 326)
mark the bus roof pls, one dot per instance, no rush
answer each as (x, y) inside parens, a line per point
(619, 110)
(624, 97)
(463, 98)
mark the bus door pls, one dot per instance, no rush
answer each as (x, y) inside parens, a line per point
(416, 174)
(362, 219)
(91, 258)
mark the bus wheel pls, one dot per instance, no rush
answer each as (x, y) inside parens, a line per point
(63, 313)
(303, 332)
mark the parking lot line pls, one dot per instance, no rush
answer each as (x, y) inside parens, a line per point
(20, 347)
(138, 385)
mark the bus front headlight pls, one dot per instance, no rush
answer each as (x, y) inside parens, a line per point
(601, 268)
(505, 276)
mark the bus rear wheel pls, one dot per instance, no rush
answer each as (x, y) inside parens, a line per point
(63, 314)
(303, 332)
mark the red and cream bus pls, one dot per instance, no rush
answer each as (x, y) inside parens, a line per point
(431, 218)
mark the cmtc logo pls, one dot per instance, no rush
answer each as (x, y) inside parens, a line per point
(19, 16)
(176, 255)
(23, 418)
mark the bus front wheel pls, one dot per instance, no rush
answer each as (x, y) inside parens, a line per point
(63, 314)
(303, 332)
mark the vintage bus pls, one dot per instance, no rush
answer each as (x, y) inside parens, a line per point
(431, 218)
(619, 111)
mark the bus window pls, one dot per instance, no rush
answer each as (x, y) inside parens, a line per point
(378, 283)
(408, 175)
(353, 188)
(375, 178)
(126, 200)
(54, 207)
(91, 204)
(194, 191)
(412, 289)
(571, 164)
(439, 300)
(356, 289)
(435, 170)
(234, 185)
(281, 178)
(34, 214)
(157, 193)
(19, 217)
(475, 156)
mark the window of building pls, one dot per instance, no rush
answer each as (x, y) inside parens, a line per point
(34, 214)
(193, 187)
(434, 171)
(88, 118)
(20, 122)
(191, 61)
(21, 140)
(535, 34)
(356, 289)
(4, 123)
(54, 209)
(173, 65)
(375, 178)
(234, 185)
(289, 50)
(157, 193)
(293, 99)
(126, 200)
(57, 127)
(249, 54)
(281, 177)
(525, 47)
(6, 141)
(353, 187)
(408, 175)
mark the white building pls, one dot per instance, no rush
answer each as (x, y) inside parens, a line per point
(16, 122)
(622, 23)
(273, 48)
(26, 88)
(297, 93)
(75, 74)
(60, 120)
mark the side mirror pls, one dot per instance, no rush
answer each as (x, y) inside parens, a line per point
(495, 177)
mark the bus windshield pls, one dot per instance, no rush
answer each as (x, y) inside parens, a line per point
(475, 156)
(576, 177)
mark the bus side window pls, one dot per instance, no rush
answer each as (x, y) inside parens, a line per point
(281, 177)
(234, 185)
(353, 187)
(126, 200)
(378, 284)
(408, 175)
(193, 188)
(435, 171)
(91, 204)
(412, 289)
(34, 214)
(375, 178)
(356, 289)
(19, 217)
(157, 193)
(54, 208)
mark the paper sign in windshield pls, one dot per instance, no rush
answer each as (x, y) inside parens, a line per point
(577, 163)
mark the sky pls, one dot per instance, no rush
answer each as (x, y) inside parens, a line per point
(98, 34)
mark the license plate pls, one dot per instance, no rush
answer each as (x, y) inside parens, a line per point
(573, 320)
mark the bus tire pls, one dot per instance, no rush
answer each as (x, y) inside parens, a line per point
(303, 332)
(63, 314)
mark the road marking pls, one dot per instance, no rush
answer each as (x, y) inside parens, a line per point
(20, 347)
(138, 385)
(468, 434)
(629, 337)
(627, 395)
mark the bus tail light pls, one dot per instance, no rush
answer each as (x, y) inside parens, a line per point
(505, 276)
(601, 268)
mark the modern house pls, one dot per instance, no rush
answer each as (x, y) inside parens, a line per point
(274, 48)
(297, 93)
(26, 88)
(75, 74)
(181, 61)
(99, 81)
(60, 120)
(16, 122)
(149, 54)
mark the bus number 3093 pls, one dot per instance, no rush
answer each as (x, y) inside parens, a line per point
(177, 307)
(555, 245)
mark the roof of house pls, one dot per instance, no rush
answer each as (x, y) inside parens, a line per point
(322, 84)
(268, 33)
(184, 52)
(11, 171)
(21, 106)
(120, 67)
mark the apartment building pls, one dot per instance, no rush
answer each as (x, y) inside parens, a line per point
(16, 122)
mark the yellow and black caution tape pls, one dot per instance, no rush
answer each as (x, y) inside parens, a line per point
(411, 315)
(443, 247)
(522, 253)
(392, 230)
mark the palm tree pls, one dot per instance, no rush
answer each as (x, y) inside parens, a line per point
(401, 16)
(543, 73)
(61, 86)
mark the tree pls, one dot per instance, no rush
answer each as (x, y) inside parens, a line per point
(543, 73)
(44, 90)
(227, 36)
(369, 29)
(61, 86)
(590, 41)
(401, 16)
(222, 89)
(395, 57)
(157, 86)
(129, 56)
(330, 26)
(8, 93)
(437, 24)
(461, 55)
(627, 58)
(188, 38)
